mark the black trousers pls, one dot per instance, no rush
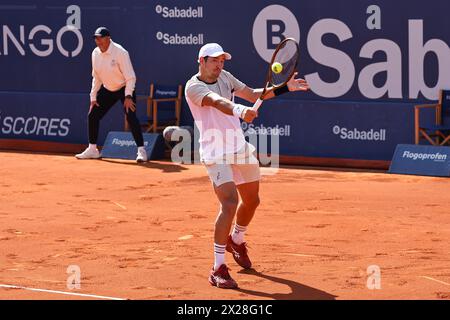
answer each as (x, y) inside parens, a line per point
(106, 100)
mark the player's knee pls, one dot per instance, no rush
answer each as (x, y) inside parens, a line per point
(131, 115)
(92, 116)
(226, 214)
(252, 203)
(133, 120)
(229, 204)
(257, 202)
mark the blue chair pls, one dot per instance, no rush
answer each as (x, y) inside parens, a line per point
(439, 132)
(161, 96)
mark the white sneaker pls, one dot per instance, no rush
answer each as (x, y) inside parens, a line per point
(89, 153)
(141, 155)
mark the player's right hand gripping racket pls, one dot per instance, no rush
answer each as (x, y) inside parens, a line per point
(286, 53)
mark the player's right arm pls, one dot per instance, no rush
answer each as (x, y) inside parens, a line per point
(203, 97)
(226, 106)
(96, 84)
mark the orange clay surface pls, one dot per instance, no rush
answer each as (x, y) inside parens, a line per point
(146, 232)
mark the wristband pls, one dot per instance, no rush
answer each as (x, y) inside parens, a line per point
(281, 90)
(239, 109)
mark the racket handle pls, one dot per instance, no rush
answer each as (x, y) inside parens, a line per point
(257, 105)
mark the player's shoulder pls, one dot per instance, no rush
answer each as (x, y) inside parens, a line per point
(193, 81)
(119, 48)
(96, 51)
(227, 75)
(194, 86)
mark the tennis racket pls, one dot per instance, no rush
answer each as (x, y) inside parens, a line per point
(287, 54)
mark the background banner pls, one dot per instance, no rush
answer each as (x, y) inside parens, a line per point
(367, 65)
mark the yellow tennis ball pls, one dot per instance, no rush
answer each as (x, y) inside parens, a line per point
(277, 67)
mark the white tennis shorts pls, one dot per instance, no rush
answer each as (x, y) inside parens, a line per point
(241, 167)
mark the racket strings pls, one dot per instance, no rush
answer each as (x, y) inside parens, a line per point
(287, 56)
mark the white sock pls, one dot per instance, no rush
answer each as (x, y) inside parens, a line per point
(219, 255)
(238, 234)
(92, 146)
(141, 149)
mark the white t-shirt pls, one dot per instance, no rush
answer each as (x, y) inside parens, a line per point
(113, 69)
(220, 134)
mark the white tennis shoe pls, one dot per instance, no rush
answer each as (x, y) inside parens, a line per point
(89, 153)
(141, 155)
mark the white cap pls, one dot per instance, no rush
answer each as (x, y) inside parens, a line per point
(212, 50)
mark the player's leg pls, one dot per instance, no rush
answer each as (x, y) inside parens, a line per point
(245, 212)
(136, 130)
(249, 193)
(226, 192)
(228, 197)
(246, 177)
(105, 99)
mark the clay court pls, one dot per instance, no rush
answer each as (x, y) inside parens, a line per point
(145, 232)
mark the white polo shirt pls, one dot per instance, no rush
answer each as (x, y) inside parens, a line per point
(220, 134)
(113, 69)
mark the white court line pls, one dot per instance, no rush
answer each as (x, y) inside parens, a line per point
(119, 205)
(59, 292)
(300, 255)
(438, 281)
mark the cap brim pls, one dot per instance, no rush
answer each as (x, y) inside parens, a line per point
(227, 55)
(218, 54)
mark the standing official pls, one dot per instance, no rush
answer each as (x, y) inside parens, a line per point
(113, 79)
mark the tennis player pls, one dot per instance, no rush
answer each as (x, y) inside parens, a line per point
(228, 158)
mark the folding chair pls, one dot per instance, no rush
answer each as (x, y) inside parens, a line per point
(441, 128)
(159, 95)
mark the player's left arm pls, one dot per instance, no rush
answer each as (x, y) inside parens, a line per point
(130, 79)
(251, 95)
(128, 72)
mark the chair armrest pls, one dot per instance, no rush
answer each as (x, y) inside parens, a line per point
(141, 98)
(417, 113)
(423, 106)
(165, 99)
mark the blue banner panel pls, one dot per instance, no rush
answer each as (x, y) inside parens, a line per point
(421, 160)
(366, 131)
(359, 51)
(52, 117)
(121, 145)
(367, 63)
